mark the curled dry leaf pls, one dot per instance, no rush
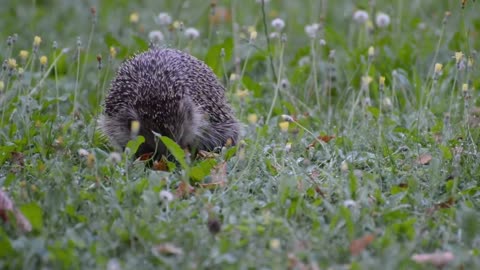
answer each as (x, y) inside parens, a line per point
(6, 205)
(167, 249)
(443, 205)
(145, 156)
(184, 189)
(323, 138)
(160, 165)
(438, 259)
(358, 245)
(424, 159)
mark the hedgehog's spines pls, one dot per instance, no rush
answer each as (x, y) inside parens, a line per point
(173, 94)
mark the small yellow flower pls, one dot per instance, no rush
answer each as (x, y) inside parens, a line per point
(12, 63)
(252, 118)
(90, 160)
(134, 17)
(438, 68)
(2, 86)
(381, 81)
(20, 71)
(251, 29)
(242, 93)
(43, 60)
(177, 24)
(465, 87)
(233, 77)
(366, 80)
(113, 52)
(369, 25)
(253, 35)
(284, 126)
(458, 57)
(23, 54)
(135, 127)
(470, 62)
(371, 51)
(36, 41)
(275, 244)
(344, 166)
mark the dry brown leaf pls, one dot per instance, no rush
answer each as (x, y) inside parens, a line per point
(358, 245)
(7, 205)
(160, 165)
(424, 159)
(167, 249)
(145, 156)
(323, 138)
(443, 205)
(438, 259)
(184, 189)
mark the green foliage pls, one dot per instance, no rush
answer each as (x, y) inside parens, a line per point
(348, 168)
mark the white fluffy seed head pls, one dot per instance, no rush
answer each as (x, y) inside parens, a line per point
(156, 37)
(192, 33)
(382, 20)
(312, 30)
(278, 24)
(360, 16)
(163, 19)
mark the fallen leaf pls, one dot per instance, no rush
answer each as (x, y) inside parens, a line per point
(167, 249)
(184, 189)
(7, 205)
(443, 205)
(358, 245)
(145, 156)
(323, 138)
(438, 259)
(160, 165)
(424, 159)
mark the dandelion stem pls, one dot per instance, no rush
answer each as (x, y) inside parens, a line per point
(265, 30)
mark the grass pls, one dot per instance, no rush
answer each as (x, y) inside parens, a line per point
(337, 169)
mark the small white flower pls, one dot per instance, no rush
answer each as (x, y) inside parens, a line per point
(192, 33)
(83, 152)
(322, 42)
(360, 16)
(287, 118)
(113, 264)
(382, 20)
(387, 103)
(115, 157)
(349, 203)
(312, 30)
(274, 35)
(304, 61)
(278, 24)
(166, 196)
(163, 19)
(155, 37)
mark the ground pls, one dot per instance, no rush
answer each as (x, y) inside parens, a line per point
(359, 147)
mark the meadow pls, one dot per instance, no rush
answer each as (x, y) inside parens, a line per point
(359, 147)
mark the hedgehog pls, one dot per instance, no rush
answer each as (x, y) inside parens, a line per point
(171, 93)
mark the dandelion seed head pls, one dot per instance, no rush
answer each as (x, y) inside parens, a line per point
(155, 37)
(163, 19)
(166, 196)
(192, 33)
(360, 16)
(312, 30)
(382, 19)
(278, 24)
